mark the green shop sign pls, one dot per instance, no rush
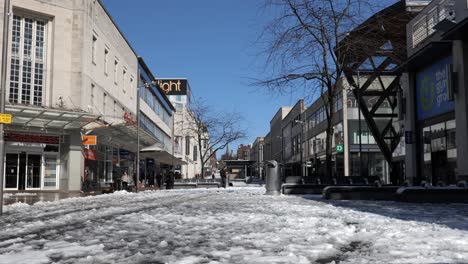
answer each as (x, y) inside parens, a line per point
(339, 148)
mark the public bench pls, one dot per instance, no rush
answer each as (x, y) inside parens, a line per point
(360, 193)
(183, 185)
(433, 194)
(208, 185)
(295, 188)
(316, 185)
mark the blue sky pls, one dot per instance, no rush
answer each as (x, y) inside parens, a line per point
(212, 43)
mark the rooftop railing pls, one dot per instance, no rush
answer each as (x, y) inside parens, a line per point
(424, 27)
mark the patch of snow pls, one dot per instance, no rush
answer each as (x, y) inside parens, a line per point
(234, 225)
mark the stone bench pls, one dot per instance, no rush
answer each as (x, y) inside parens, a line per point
(208, 185)
(360, 193)
(297, 188)
(433, 194)
(184, 185)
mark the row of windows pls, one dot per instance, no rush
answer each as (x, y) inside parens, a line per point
(27, 61)
(320, 115)
(149, 126)
(155, 105)
(296, 145)
(127, 82)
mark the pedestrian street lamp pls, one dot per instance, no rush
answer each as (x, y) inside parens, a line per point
(143, 85)
(358, 102)
(302, 123)
(6, 20)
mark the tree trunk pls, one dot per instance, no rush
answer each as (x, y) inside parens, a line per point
(202, 170)
(328, 150)
(330, 111)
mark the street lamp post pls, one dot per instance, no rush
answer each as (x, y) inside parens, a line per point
(359, 120)
(300, 122)
(144, 85)
(6, 27)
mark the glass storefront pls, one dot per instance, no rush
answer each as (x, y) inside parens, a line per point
(106, 164)
(370, 164)
(31, 166)
(440, 153)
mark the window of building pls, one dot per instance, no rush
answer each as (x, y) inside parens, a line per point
(106, 60)
(339, 102)
(124, 75)
(27, 63)
(116, 67)
(104, 101)
(92, 98)
(130, 88)
(195, 153)
(94, 48)
(179, 98)
(114, 110)
(179, 107)
(187, 145)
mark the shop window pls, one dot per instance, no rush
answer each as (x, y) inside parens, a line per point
(50, 171)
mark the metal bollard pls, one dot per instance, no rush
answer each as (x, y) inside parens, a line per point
(273, 179)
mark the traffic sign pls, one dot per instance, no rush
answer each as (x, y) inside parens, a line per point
(89, 140)
(5, 118)
(339, 148)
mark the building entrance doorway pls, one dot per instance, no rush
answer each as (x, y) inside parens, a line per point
(439, 167)
(22, 171)
(398, 173)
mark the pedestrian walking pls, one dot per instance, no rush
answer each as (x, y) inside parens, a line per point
(159, 180)
(170, 180)
(125, 180)
(223, 177)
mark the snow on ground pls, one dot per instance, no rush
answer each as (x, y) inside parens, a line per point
(6, 195)
(237, 225)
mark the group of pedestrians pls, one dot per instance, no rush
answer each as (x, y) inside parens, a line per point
(127, 183)
(154, 180)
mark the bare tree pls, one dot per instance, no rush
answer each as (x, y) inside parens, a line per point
(301, 45)
(213, 130)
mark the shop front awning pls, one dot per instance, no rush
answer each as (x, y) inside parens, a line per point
(159, 154)
(123, 135)
(49, 118)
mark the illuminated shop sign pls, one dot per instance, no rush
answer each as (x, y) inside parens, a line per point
(173, 87)
(432, 97)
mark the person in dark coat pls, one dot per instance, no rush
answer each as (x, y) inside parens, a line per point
(170, 180)
(159, 180)
(223, 177)
(151, 179)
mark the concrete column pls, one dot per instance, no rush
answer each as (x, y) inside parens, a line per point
(75, 162)
(411, 157)
(460, 60)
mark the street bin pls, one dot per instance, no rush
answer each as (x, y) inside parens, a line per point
(273, 178)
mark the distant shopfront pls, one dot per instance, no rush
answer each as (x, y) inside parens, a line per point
(436, 123)
(106, 163)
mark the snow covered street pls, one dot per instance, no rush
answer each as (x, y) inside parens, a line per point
(237, 225)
